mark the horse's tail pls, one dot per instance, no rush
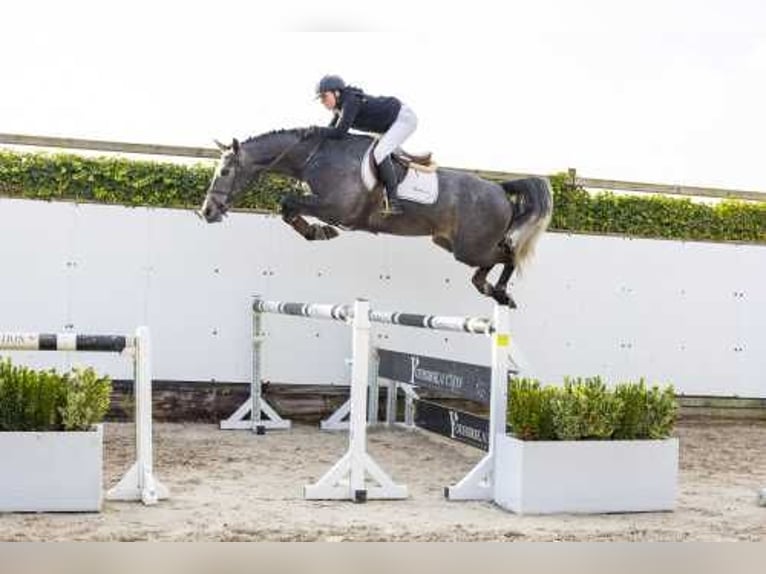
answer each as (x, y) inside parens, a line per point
(532, 202)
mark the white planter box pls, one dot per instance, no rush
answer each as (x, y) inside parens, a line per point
(545, 477)
(51, 471)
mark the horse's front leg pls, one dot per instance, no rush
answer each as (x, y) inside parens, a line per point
(293, 209)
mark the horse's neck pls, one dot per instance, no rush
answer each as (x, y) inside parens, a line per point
(284, 154)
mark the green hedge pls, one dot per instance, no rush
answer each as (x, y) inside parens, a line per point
(122, 181)
(656, 216)
(585, 409)
(134, 183)
(32, 400)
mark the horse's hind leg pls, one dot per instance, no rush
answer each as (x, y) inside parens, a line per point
(504, 255)
(500, 291)
(479, 281)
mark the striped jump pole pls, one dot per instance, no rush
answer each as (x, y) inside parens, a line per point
(139, 482)
(258, 405)
(478, 484)
(346, 479)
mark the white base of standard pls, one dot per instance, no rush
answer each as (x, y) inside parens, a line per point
(338, 483)
(138, 484)
(338, 421)
(239, 421)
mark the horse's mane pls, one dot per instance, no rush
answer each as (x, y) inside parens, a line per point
(299, 131)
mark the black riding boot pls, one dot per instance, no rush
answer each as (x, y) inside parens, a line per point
(388, 175)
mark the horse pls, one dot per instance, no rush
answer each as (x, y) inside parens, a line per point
(482, 223)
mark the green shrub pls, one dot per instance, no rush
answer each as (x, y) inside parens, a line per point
(125, 182)
(655, 216)
(87, 399)
(634, 422)
(529, 410)
(163, 184)
(662, 412)
(48, 401)
(647, 413)
(585, 409)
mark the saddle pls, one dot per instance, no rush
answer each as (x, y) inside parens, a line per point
(421, 162)
(416, 161)
(415, 175)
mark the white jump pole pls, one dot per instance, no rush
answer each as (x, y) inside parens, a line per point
(255, 381)
(346, 480)
(478, 484)
(139, 483)
(360, 350)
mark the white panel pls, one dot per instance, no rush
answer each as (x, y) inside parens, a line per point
(109, 278)
(35, 241)
(670, 311)
(688, 313)
(195, 332)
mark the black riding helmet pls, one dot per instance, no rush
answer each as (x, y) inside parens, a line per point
(330, 83)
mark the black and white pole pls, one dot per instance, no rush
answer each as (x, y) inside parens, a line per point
(346, 479)
(139, 482)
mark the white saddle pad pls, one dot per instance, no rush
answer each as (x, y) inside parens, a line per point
(417, 186)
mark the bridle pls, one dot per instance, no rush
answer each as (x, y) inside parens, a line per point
(219, 197)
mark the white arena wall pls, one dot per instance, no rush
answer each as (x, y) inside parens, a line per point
(693, 314)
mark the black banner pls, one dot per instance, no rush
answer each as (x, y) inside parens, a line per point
(452, 423)
(472, 382)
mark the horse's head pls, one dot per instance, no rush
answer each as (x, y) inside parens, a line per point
(274, 151)
(230, 177)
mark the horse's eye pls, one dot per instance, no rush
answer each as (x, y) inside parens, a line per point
(225, 172)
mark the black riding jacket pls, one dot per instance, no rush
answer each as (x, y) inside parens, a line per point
(355, 109)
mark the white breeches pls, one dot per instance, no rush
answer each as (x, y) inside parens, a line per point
(400, 130)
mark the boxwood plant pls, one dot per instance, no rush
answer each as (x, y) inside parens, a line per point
(585, 409)
(45, 400)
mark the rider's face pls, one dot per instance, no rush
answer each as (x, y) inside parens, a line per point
(328, 100)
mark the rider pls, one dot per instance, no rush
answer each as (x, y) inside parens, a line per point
(352, 108)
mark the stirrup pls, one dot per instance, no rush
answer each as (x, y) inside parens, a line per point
(388, 209)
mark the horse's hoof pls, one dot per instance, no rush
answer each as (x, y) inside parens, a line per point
(330, 232)
(322, 232)
(503, 298)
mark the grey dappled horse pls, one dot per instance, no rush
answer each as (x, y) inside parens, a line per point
(482, 223)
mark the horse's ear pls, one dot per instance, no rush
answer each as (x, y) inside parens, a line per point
(235, 145)
(220, 146)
